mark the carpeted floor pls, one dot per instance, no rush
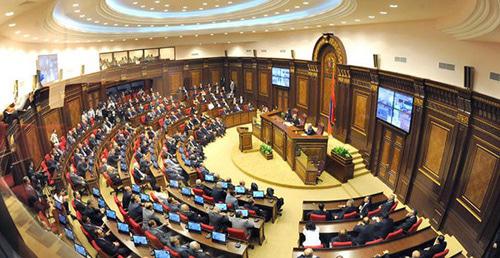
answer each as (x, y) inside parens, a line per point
(281, 236)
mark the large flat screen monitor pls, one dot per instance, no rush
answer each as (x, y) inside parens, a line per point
(395, 108)
(281, 77)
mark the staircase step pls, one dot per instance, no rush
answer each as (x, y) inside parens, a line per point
(359, 166)
(361, 172)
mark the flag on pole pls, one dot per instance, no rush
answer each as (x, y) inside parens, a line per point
(333, 105)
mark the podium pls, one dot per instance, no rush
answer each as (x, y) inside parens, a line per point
(245, 138)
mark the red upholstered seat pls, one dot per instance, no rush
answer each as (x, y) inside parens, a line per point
(184, 218)
(374, 212)
(118, 202)
(153, 196)
(314, 246)
(393, 207)
(206, 227)
(252, 213)
(199, 192)
(99, 250)
(136, 227)
(374, 241)
(153, 240)
(316, 217)
(172, 252)
(351, 215)
(341, 244)
(415, 226)
(123, 212)
(394, 234)
(441, 254)
(78, 216)
(208, 199)
(89, 237)
(239, 234)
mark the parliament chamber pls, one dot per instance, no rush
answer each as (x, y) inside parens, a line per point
(249, 128)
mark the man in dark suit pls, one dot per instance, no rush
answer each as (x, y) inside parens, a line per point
(384, 227)
(345, 209)
(196, 251)
(309, 129)
(288, 115)
(386, 206)
(219, 221)
(320, 211)
(218, 193)
(89, 227)
(438, 246)
(342, 237)
(156, 230)
(367, 233)
(109, 247)
(79, 204)
(411, 218)
(93, 212)
(192, 216)
(135, 208)
(126, 197)
(366, 206)
(494, 250)
(295, 120)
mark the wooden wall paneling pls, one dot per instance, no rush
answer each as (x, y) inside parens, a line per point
(311, 69)
(302, 92)
(196, 78)
(248, 81)
(292, 90)
(31, 142)
(175, 80)
(52, 120)
(343, 110)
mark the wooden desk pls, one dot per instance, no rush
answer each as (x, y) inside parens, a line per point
(124, 176)
(176, 193)
(238, 118)
(308, 206)
(126, 240)
(332, 227)
(245, 137)
(396, 246)
(286, 140)
(158, 175)
(265, 203)
(192, 174)
(92, 181)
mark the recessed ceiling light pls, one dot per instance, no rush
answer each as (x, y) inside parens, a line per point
(305, 3)
(18, 32)
(89, 19)
(306, 27)
(393, 6)
(152, 8)
(76, 11)
(331, 24)
(76, 5)
(12, 25)
(253, 31)
(152, 25)
(180, 36)
(241, 32)
(319, 26)
(136, 39)
(229, 42)
(167, 5)
(166, 10)
(204, 4)
(183, 10)
(126, 25)
(383, 13)
(116, 24)
(196, 35)
(225, 33)
(292, 28)
(297, 7)
(217, 6)
(9, 13)
(201, 8)
(82, 15)
(138, 25)
(96, 21)
(371, 17)
(229, 2)
(266, 30)
(105, 23)
(184, 7)
(134, 3)
(357, 20)
(211, 34)
(287, 10)
(143, 6)
(265, 15)
(157, 2)
(343, 22)
(150, 38)
(124, 40)
(276, 12)
(253, 17)
(112, 40)
(165, 37)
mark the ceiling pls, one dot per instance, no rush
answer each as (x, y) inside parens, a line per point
(81, 21)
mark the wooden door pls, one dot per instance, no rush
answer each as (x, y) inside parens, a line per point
(391, 150)
(281, 100)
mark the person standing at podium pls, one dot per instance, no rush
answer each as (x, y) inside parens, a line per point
(288, 115)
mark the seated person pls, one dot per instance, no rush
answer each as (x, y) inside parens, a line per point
(175, 244)
(438, 246)
(135, 208)
(320, 211)
(93, 212)
(386, 206)
(288, 115)
(218, 193)
(311, 234)
(237, 221)
(218, 220)
(231, 199)
(192, 216)
(148, 214)
(345, 209)
(385, 225)
(109, 247)
(366, 206)
(157, 231)
(309, 129)
(308, 253)
(366, 232)
(295, 120)
(411, 218)
(126, 197)
(196, 251)
(341, 237)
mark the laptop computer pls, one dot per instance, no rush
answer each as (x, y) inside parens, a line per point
(101, 203)
(123, 228)
(218, 237)
(244, 213)
(158, 207)
(62, 219)
(258, 194)
(194, 227)
(81, 250)
(139, 240)
(174, 217)
(96, 192)
(69, 234)
(199, 200)
(144, 197)
(161, 254)
(221, 206)
(240, 190)
(136, 189)
(224, 185)
(110, 214)
(186, 191)
(209, 178)
(174, 183)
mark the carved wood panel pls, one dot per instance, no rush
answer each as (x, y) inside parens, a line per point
(175, 81)
(325, 96)
(52, 121)
(34, 144)
(196, 77)
(264, 83)
(436, 138)
(215, 76)
(360, 112)
(74, 107)
(93, 98)
(248, 81)
(302, 92)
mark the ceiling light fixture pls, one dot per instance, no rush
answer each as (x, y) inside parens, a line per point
(305, 3)
(383, 13)
(76, 5)
(12, 25)
(393, 6)
(371, 17)
(82, 15)
(77, 11)
(357, 20)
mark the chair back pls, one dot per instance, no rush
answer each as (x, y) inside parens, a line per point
(199, 192)
(313, 246)
(237, 233)
(374, 241)
(415, 226)
(136, 227)
(123, 212)
(206, 227)
(184, 218)
(153, 197)
(393, 207)
(208, 199)
(441, 254)
(153, 240)
(351, 215)
(118, 203)
(394, 234)
(87, 234)
(321, 129)
(374, 212)
(341, 244)
(316, 217)
(172, 252)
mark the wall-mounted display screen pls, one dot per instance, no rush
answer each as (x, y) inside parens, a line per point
(281, 77)
(395, 108)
